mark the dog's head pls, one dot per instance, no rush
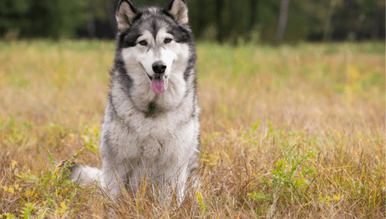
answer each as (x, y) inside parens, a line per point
(154, 41)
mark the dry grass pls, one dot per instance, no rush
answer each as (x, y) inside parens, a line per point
(317, 152)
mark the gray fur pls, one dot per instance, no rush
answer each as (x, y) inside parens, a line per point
(145, 134)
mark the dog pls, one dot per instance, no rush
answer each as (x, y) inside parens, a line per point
(150, 128)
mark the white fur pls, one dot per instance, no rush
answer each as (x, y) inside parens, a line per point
(139, 61)
(155, 50)
(160, 148)
(87, 175)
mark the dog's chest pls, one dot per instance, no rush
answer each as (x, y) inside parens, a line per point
(157, 132)
(153, 135)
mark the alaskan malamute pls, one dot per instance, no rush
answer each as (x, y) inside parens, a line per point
(150, 127)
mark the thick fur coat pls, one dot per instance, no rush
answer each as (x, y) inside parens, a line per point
(150, 127)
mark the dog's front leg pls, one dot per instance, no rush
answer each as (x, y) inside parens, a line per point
(181, 182)
(113, 176)
(174, 182)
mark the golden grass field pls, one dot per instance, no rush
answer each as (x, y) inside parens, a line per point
(288, 132)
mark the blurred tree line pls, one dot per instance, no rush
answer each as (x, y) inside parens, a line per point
(221, 20)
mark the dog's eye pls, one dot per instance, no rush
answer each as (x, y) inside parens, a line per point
(143, 43)
(168, 40)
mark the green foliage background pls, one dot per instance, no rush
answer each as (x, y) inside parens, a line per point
(223, 20)
(42, 18)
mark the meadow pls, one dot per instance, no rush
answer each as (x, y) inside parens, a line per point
(296, 131)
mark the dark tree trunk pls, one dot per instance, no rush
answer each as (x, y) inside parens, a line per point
(328, 20)
(252, 19)
(220, 28)
(111, 7)
(375, 28)
(231, 30)
(90, 21)
(282, 21)
(201, 19)
(232, 15)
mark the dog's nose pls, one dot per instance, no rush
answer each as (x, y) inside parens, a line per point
(159, 67)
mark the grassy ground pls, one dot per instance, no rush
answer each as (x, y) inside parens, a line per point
(288, 132)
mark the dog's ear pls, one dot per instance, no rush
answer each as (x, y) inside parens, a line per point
(179, 10)
(125, 14)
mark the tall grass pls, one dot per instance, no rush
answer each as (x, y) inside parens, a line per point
(288, 132)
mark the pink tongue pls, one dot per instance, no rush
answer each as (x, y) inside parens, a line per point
(158, 86)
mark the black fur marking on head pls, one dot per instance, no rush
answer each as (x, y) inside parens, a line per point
(128, 40)
(129, 36)
(153, 22)
(181, 35)
(154, 28)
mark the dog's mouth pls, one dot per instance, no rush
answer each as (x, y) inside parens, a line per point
(158, 84)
